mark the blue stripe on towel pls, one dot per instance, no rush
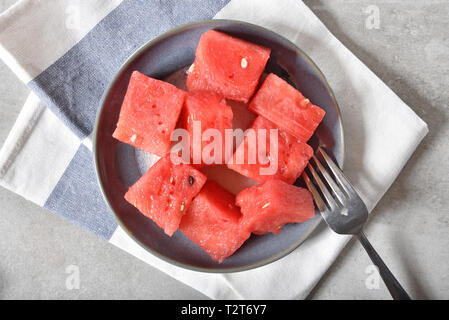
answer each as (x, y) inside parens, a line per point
(73, 86)
(77, 197)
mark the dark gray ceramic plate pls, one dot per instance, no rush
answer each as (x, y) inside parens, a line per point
(119, 165)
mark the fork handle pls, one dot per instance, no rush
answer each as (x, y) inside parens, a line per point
(393, 285)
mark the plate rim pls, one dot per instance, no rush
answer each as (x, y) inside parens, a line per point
(99, 112)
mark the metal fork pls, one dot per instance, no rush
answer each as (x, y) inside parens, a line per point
(345, 213)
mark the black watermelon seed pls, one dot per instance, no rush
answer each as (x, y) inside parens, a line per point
(191, 180)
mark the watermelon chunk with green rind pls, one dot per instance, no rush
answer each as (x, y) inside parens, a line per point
(213, 222)
(227, 65)
(165, 192)
(282, 104)
(210, 111)
(292, 154)
(149, 114)
(268, 207)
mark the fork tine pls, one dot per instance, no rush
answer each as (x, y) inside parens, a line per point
(327, 195)
(330, 181)
(316, 195)
(338, 174)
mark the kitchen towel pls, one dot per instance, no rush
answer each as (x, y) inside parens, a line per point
(67, 51)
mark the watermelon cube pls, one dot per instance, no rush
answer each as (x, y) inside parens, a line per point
(282, 104)
(210, 111)
(213, 222)
(292, 155)
(165, 192)
(227, 65)
(149, 114)
(268, 207)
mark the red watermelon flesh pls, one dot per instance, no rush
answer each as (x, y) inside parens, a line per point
(292, 155)
(227, 65)
(211, 110)
(165, 192)
(213, 222)
(149, 114)
(268, 207)
(282, 104)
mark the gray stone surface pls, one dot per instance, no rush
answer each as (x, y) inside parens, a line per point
(409, 227)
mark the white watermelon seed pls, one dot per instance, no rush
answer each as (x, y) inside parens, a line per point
(266, 205)
(244, 63)
(182, 207)
(192, 67)
(133, 138)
